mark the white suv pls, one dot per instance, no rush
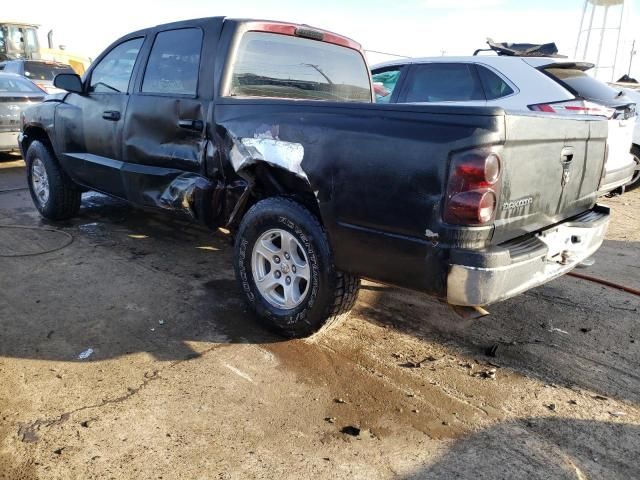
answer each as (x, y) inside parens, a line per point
(540, 85)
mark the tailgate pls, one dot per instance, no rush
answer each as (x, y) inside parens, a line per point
(552, 167)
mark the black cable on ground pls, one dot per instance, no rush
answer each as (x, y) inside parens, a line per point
(17, 189)
(68, 242)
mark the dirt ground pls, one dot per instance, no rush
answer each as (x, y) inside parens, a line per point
(182, 383)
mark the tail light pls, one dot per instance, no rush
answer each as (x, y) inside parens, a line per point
(474, 187)
(575, 107)
(304, 31)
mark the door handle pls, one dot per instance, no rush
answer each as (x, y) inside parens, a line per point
(112, 115)
(197, 125)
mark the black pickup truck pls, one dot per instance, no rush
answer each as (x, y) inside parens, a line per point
(270, 129)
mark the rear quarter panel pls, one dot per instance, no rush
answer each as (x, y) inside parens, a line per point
(378, 173)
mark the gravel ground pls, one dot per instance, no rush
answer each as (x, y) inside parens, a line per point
(180, 382)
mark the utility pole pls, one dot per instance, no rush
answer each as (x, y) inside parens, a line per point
(633, 52)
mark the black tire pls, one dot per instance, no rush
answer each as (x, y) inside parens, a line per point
(64, 196)
(635, 183)
(331, 294)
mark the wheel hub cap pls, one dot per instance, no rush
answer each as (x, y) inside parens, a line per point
(40, 181)
(281, 269)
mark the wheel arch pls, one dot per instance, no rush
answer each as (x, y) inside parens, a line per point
(32, 133)
(265, 181)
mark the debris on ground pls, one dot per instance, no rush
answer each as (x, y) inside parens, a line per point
(586, 330)
(420, 364)
(600, 397)
(490, 374)
(330, 419)
(86, 354)
(551, 406)
(492, 350)
(351, 430)
(617, 414)
(558, 330)
(340, 400)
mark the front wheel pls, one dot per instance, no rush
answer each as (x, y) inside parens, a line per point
(54, 194)
(285, 268)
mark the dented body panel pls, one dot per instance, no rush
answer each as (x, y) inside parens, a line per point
(376, 175)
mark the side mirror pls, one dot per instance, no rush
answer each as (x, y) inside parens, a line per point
(69, 82)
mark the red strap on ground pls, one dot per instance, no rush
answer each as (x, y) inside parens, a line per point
(607, 283)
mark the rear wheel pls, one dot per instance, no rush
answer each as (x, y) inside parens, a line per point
(54, 194)
(285, 268)
(635, 183)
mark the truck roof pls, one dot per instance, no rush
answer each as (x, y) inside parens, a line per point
(182, 23)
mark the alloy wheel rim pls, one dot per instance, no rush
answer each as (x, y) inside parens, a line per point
(280, 268)
(40, 181)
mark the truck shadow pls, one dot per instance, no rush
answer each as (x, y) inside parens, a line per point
(136, 281)
(541, 448)
(569, 332)
(131, 281)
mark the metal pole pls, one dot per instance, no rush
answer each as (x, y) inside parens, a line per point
(604, 26)
(615, 58)
(586, 45)
(581, 31)
(633, 52)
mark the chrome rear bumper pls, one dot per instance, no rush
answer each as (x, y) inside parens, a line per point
(532, 261)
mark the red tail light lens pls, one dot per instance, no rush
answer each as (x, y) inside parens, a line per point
(305, 32)
(474, 184)
(575, 107)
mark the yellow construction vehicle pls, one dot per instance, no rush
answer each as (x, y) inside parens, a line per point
(20, 41)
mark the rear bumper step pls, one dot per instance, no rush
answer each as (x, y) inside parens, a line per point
(526, 263)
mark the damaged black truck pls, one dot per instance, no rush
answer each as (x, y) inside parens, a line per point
(270, 130)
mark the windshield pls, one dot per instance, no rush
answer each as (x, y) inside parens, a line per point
(281, 66)
(585, 85)
(44, 71)
(17, 85)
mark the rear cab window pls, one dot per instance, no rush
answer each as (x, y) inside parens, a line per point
(281, 66)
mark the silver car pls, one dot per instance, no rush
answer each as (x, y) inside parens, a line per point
(16, 94)
(540, 85)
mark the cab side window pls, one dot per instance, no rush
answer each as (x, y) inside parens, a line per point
(174, 63)
(385, 82)
(113, 73)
